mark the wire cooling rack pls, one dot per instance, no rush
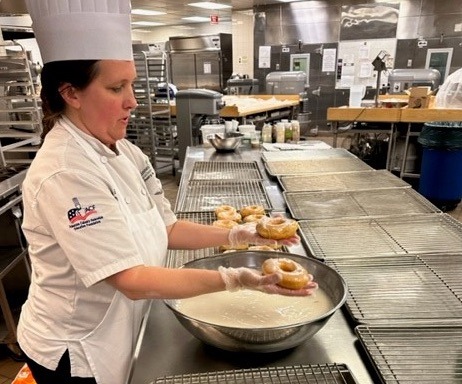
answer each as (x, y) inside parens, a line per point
(371, 237)
(300, 374)
(225, 170)
(403, 290)
(202, 196)
(342, 181)
(414, 355)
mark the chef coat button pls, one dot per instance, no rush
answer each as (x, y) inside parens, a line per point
(143, 191)
(127, 200)
(104, 159)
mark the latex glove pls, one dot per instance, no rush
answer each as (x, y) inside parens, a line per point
(236, 279)
(247, 234)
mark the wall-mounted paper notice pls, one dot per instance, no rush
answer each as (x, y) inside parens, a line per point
(328, 59)
(207, 68)
(264, 57)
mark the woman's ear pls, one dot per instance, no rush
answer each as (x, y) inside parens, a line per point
(68, 93)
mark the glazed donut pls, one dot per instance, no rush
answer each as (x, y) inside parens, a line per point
(252, 210)
(224, 208)
(227, 212)
(276, 228)
(222, 223)
(233, 216)
(294, 276)
(252, 218)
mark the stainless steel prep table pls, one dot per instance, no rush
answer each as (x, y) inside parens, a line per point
(166, 348)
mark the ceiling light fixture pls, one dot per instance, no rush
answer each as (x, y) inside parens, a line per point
(147, 23)
(196, 18)
(146, 12)
(209, 5)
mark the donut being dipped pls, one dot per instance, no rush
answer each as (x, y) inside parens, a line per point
(294, 276)
(276, 228)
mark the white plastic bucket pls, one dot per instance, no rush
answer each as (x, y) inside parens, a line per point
(246, 129)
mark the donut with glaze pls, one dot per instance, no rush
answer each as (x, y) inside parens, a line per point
(252, 210)
(276, 228)
(294, 276)
(227, 212)
(252, 218)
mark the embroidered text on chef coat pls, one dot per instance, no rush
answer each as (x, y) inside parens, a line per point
(80, 217)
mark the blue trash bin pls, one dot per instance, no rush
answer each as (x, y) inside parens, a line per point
(441, 169)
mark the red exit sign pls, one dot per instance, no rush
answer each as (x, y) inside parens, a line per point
(214, 19)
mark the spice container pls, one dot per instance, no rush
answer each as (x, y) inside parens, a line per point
(295, 131)
(267, 133)
(255, 139)
(287, 130)
(280, 133)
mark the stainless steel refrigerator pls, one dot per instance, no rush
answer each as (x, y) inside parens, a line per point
(201, 61)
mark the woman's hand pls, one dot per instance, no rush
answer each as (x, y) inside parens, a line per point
(246, 278)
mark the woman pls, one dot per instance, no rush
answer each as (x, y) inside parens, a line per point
(99, 227)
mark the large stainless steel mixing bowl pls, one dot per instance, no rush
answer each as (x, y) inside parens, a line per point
(269, 339)
(229, 143)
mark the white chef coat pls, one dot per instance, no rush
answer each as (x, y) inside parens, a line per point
(78, 236)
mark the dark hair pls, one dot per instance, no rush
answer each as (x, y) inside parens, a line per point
(78, 73)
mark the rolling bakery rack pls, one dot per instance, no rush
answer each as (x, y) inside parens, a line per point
(20, 109)
(151, 127)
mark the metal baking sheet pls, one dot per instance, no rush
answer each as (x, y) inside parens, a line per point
(203, 196)
(326, 374)
(225, 170)
(344, 181)
(403, 290)
(299, 167)
(414, 354)
(312, 154)
(373, 203)
(371, 237)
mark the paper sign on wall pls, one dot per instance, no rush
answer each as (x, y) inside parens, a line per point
(328, 59)
(264, 57)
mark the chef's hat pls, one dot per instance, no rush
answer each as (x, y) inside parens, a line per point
(82, 29)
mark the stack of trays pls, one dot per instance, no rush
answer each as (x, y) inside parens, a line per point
(372, 203)
(311, 162)
(387, 236)
(400, 256)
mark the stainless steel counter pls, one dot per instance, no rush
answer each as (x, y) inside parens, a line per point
(166, 348)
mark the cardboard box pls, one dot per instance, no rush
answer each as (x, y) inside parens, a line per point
(419, 97)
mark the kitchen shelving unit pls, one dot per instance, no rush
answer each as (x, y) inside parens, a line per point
(15, 270)
(20, 109)
(151, 127)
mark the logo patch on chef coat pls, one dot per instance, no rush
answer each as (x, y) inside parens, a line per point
(81, 217)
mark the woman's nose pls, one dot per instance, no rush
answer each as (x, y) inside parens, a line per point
(131, 100)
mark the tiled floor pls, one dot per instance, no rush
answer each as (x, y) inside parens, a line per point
(9, 367)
